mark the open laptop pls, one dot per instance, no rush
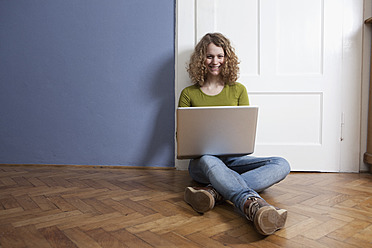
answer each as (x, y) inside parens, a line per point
(220, 131)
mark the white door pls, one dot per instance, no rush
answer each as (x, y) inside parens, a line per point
(293, 65)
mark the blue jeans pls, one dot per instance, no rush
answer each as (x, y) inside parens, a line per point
(238, 178)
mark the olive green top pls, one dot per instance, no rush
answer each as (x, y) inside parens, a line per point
(231, 95)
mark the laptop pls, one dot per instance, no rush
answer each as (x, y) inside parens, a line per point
(220, 131)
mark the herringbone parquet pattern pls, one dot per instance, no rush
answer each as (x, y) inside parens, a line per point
(103, 207)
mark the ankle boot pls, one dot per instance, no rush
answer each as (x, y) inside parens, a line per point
(202, 199)
(266, 218)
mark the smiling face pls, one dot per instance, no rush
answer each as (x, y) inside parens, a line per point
(214, 60)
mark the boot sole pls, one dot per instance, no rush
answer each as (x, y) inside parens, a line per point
(200, 200)
(268, 220)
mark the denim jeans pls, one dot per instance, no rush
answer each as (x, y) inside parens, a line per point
(238, 178)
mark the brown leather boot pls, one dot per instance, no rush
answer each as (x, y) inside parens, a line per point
(202, 199)
(266, 218)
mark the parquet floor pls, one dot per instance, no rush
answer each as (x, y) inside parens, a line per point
(103, 207)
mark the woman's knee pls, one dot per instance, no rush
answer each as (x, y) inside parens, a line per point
(207, 163)
(209, 160)
(283, 165)
(200, 168)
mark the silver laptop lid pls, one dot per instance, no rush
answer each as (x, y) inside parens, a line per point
(222, 130)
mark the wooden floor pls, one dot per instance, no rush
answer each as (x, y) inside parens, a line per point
(100, 207)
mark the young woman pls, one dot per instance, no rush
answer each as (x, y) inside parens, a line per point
(213, 68)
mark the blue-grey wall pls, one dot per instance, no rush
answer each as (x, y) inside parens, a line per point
(87, 82)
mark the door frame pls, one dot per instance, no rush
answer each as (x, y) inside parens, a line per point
(352, 57)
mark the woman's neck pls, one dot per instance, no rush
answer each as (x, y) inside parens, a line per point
(213, 82)
(213, 86)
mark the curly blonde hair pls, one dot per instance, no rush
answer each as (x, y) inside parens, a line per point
(197, 69)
